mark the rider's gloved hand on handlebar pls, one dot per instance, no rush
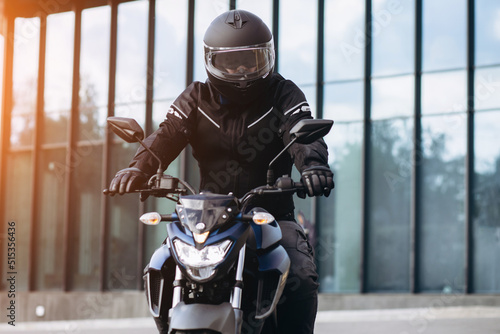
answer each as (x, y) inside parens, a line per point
(317, 180)
(127, 180)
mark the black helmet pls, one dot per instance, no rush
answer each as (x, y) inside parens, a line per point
(239, 55)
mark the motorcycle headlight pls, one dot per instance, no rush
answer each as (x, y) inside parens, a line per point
(200, 264)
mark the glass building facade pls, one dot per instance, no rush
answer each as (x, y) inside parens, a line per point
(412, 85)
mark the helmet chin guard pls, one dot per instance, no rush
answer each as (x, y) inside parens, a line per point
(239, 55)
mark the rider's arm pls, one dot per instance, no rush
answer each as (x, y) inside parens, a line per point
(293, 104)
(310, 159)
(172, 135)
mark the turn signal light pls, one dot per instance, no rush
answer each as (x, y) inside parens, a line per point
(262, 218)
(151, 218)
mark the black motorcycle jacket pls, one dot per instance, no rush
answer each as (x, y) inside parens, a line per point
(234, 143)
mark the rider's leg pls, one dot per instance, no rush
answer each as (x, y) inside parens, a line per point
(299, 302)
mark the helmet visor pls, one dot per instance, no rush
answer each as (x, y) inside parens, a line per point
(237, 65)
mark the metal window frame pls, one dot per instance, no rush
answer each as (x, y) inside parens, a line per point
(469, 159)
(417, 154)
(185, 157)
(366, 152)
(143, 206)
(71, 147)
(320, 60)
(32, 263)
(106, 166)
(275, 31)
(320, 91)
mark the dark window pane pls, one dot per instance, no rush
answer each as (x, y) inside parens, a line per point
(389, 206)
(123, 227)
(393, 32)
(58, 76)
(487, 32)
(24, 85)
(338, 243)
(131, 62)
(345, 40)
(50, 220)
(298, 41)
(170, 49)
(486, 221)
(130, 97)
(344, 102)
(442, 229)
(392, 97)
(17, 204)
(487, 88)
(85, 227)
(444, 34)
(444, 92)
(94, 72)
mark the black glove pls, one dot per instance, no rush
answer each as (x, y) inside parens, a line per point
(127, 180)
(318, 180)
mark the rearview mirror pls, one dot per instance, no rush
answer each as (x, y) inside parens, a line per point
(129, 130)
(126, 128)
(307, 131)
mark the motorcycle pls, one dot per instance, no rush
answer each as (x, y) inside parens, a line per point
(220, 256)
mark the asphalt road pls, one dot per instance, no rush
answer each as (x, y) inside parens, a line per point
(453, 320)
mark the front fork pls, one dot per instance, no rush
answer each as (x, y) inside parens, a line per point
(177, 295)
(238, 286)
(236, 295)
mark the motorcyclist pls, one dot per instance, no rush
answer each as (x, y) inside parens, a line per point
(236, 123)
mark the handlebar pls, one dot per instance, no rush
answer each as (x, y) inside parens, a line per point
(173, 186)
(283, 185)
(169, 218)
